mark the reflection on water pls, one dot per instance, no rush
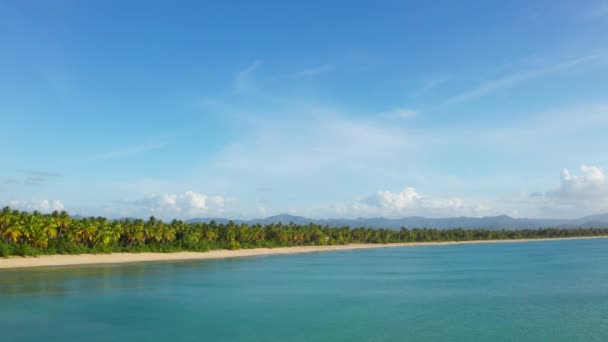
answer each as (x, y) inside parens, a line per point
(100, 279)
(542, 291)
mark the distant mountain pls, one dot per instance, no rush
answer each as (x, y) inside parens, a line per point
(594, 218)
(491, 222)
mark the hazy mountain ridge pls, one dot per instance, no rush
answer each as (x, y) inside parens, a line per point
(490, 222)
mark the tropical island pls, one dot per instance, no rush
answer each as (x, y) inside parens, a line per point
(35, 234)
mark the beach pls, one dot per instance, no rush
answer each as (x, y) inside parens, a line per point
(119, 258)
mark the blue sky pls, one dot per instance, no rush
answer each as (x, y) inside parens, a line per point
(322, 109)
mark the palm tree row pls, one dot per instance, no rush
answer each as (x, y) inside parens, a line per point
(25, 233)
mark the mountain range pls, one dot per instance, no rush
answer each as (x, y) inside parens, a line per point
(490, 222)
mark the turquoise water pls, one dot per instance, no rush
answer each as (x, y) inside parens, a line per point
(539, 291)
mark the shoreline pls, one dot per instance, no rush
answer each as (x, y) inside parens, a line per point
(15, 262)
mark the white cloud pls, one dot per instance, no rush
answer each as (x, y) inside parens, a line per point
(303, 148)
(513, 79)
(314, 71)
(399, 113)
(591, 184)
(126, 151)
(185, 204)
(44, 206)
(296, 139)
(576, 195)
(408, 202)
(306, 155)
(10, 180)
(432, 83)
(600, 10)
(34, 177)
(407, 199)
(243, 82)
(37, 173)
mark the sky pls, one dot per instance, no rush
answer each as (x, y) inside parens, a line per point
(322, 109)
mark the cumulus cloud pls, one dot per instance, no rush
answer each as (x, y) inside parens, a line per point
(409, 198)
(185, 204)
(408, 202)
(589, 185)
(44, 206)
(576, 195)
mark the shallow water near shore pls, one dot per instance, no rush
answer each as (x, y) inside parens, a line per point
(534, 291)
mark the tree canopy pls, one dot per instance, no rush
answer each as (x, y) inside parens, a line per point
(25, 233)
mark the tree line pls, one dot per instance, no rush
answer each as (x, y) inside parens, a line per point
(25, 233)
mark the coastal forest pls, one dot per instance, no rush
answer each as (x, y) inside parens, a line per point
(29, 234)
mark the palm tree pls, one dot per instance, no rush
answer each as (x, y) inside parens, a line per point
(12, 230)
(31, 227)
(5, 217)
(106, 233)
(151, 232)
(85, 232)
(49, 228)
(136, 233)
(38, 237)
(40, 231)
(62, 221)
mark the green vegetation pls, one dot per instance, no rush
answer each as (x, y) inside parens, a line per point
(24, 233)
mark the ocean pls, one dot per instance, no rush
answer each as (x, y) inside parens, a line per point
(528, 291)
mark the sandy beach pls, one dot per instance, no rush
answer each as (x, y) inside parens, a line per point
(118, 258)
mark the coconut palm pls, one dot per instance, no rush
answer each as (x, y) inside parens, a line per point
(37, 230)
(62, 221)
(86, 232)
(49, 228)
(12, 230)
(135, 233)
(106, 234)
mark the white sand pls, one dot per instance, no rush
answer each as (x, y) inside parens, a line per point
(116, 258)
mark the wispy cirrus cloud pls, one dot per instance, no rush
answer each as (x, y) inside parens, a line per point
(430, 84)
(599, 10)
(519, 77)
(314, 71)
(36, 177)
(37, 173)
(301, 146)
(243, 82)
(399, 113)
(322, 142)
(126, 151)
(10, 180)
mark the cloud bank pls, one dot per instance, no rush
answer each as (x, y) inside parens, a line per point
(187, 204)
(44, 206)
(576, 195)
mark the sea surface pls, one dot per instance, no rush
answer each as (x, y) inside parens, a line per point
(535, 291)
